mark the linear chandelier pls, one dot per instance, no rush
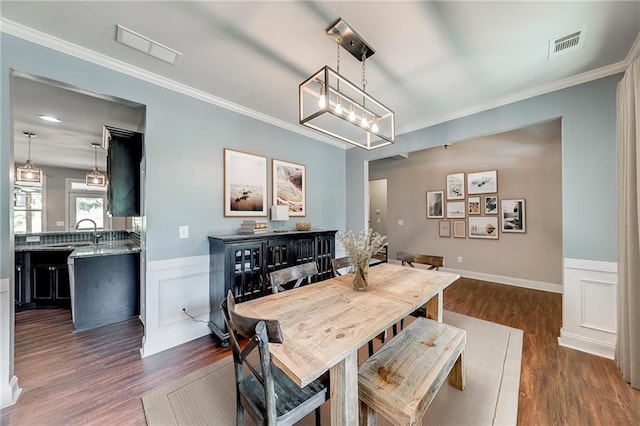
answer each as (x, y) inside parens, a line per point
(331, 104)
(95, 177)
(29, 173)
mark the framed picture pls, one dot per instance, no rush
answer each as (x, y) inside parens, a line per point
(491, 204)
(513, 215)
(456, 210)
(245, 184)
(482, 182)
(445, 228)
(459, 229)
(473, 205)
(455, 186)
(435, 205)
(289, 186)
(483, 227)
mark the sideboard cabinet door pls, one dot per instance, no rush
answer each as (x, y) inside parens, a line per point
(242, 263)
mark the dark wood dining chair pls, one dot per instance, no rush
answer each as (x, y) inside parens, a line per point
(434, 263)
(264, 391)
(283, 279)
(340, 263)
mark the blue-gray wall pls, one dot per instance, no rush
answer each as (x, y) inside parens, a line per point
(184, 138)
(588, 114)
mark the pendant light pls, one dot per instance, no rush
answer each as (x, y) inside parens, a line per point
(95, 177)
(29, 173)
(333, 105)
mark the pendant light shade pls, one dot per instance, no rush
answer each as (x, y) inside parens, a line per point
(29, 173)
(95, 177)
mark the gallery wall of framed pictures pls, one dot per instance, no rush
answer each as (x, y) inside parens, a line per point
(246, 187)
(472, 208)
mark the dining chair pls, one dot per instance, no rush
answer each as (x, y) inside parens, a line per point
(282, 278)
(434, 263)
(340, 263)
(268, 395)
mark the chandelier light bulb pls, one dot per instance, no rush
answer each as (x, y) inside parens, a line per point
(374, 127)
(352, 116)
(364, 122)
(338, 108)
(322, 102)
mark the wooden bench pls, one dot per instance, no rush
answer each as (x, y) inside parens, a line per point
(402, 378)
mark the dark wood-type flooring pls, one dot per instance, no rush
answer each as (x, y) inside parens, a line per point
(98, 377)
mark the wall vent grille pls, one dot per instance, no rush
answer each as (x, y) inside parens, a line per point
(566, 43)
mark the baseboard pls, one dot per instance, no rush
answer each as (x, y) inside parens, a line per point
(10, 393)
(585, 344)
(518, 282)
(178, 335)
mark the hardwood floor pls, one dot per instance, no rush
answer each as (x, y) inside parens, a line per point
(97, 376)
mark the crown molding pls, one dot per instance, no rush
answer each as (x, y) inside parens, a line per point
(586, 77)
(63, 46)
(634, 52)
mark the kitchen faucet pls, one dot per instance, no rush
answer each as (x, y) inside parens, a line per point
(96, 236)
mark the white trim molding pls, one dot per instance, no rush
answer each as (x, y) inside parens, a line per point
(172, 285)
(60, 45)
(517, 282)
(589, 306)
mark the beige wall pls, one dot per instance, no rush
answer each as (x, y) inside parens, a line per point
(55, 199)
(378, 206)
(528, 162)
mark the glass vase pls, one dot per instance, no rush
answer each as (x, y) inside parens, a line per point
(361, 276)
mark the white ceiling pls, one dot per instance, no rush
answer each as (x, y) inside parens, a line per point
(434, 61)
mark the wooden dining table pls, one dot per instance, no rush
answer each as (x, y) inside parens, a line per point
(325, 323)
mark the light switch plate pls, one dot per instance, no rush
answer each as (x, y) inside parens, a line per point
(183, 231)
(60, 223)
(400, 222)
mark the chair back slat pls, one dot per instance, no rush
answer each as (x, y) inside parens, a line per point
(435, 262)
(297, 273)
(340, 263)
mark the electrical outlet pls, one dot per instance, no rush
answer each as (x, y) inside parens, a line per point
(183, 231)
(459, 259)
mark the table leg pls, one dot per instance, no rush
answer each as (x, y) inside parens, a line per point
(434, 307)
(344, 391)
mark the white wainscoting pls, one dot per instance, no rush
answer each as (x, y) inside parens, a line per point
(589, 307)
(9, 389)
(170, 286)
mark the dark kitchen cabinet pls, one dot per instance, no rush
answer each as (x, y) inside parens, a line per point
(22, 294)
(124, 154)
(242, 263)
(50, 280)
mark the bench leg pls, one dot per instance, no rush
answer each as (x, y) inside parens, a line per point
(434, 307)
(458, 374)
(367, 416)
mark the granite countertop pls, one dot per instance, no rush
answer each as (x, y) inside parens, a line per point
(86, 249)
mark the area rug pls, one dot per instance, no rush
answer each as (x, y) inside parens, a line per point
(493, 357)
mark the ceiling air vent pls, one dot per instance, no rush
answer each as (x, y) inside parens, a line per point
(566, 43)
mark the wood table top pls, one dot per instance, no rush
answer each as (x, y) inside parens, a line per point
(323, 322)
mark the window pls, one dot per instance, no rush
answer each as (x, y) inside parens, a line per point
(86, 202)
(27, 213)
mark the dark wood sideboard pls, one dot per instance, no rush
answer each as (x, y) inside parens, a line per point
(242, 263)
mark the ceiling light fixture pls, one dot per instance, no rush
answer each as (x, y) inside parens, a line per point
(95, 177)
(29, 173)
(50, 118)
(331, 104)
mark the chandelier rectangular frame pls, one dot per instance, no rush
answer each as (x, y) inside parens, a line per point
(319, 96)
